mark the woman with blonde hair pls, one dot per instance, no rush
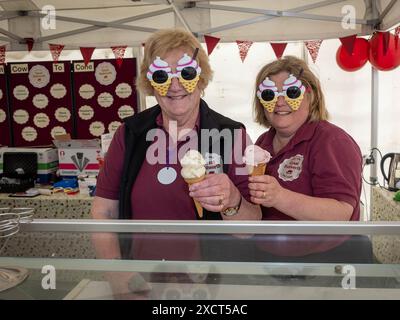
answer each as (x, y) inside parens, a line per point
(147, 149)
(142, 177)
(315, 170)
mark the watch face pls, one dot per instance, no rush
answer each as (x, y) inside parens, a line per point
(231, 212)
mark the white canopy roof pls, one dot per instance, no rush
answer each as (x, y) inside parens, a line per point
(103, 23)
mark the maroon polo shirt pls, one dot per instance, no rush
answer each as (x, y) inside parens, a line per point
(321, 160)
(152, 200)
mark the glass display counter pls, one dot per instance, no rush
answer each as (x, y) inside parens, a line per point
(199, 260)
(385, 208)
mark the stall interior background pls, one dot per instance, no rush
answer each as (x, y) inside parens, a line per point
(348, 94)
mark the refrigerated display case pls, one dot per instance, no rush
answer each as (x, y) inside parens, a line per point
(61, 261)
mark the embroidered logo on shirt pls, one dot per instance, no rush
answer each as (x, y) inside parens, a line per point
(213, 163)
(290, 169)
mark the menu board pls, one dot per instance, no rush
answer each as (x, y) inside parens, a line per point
(41, 105)
(5, 133)
(105, 94)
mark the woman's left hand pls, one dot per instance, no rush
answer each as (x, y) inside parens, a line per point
(216, 192)
(265, 190)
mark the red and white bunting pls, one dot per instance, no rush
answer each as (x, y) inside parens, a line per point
(119, 52)
(29, 43)
(244, 47)
(87, 53)
(211, 43)
(279, 49)
(56, 50)
(313, 48)
(2, 54)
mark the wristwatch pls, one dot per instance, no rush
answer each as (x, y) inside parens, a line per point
(233, 211)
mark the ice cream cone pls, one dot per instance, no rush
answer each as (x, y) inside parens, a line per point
(199, 208)
(269, 105)
(189, 85)
(295, 103)
(258, 170)
(162, 89)
(193, 171)
(256, 160)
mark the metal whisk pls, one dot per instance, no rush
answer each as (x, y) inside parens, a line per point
(10, 219)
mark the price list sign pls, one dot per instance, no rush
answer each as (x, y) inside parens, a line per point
(105, 94)
(41, 104)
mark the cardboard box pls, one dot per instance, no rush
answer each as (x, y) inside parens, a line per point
(47, 162)
(77, 157)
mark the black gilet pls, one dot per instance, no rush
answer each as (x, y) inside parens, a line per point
(136, 128)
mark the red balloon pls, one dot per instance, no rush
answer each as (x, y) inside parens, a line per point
(356, 60)
(381, 60)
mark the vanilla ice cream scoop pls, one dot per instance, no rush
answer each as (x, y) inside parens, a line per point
(193, 165)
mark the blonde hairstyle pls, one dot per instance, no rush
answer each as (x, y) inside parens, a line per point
(301, 71)
(164, 41)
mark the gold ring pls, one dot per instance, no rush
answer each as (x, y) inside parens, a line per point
(264, 195)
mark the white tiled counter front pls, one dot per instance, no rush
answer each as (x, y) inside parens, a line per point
(56, 206)
(384, 208)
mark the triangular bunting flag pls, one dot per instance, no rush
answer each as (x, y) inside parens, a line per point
(313, 48)
(348, 43)
(279, 48)
(29, 42)
(2, 54)
(87, 53)
(211, 43)
(386, 38)
(119, 53)
(396, 34)
(244, 47)
(56, 50)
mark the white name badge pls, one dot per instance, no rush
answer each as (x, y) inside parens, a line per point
(213, 163)
(291, 168)
(166, 175)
